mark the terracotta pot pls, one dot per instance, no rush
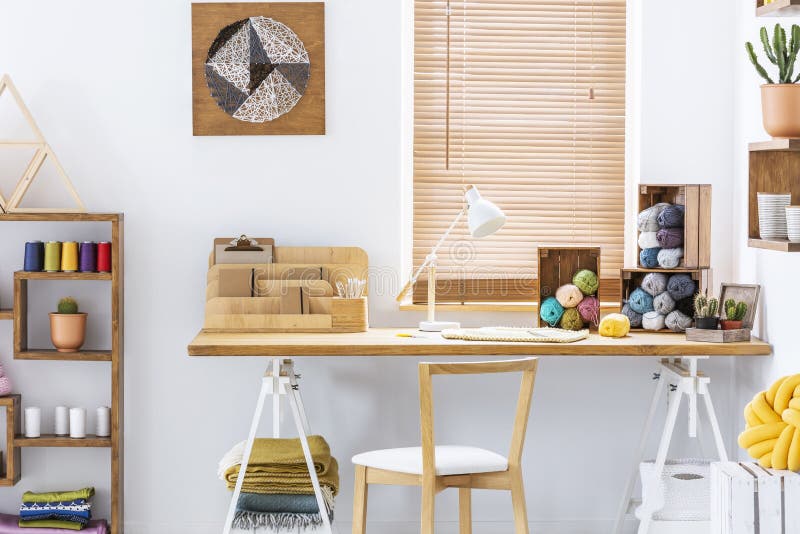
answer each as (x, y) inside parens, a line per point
(67, 331)
(730, 325)
(780, 106)
(706, 323)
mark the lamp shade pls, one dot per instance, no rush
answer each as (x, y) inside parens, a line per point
(484, 217)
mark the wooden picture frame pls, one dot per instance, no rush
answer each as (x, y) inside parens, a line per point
(749, 293)
(307, 116)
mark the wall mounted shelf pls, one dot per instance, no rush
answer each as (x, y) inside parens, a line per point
(12, 470)
(6, 315)
(774, 168)
(26, 275)
(50, 354)
(778, 8)
(51, 440)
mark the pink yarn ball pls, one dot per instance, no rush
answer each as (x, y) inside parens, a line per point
(589, 310)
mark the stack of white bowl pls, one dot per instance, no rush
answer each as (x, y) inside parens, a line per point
(793, 223)
(772, 214)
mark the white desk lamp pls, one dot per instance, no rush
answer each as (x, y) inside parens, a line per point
(484, 219)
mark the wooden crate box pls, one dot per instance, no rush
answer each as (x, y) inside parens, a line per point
(630, 279)
(697, 223)
(558, 265)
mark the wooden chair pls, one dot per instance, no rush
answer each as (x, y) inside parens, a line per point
(436, 468)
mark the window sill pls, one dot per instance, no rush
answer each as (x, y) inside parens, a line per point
(525, 307)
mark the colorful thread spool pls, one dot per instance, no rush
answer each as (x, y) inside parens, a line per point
(104, 257)
(34, 256)
(52, 256)
(88, 255)
(69, 256)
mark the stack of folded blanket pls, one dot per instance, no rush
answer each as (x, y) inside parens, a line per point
(69, 510)
(277, 491)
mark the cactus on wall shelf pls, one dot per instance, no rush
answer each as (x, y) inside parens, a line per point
(781, 53)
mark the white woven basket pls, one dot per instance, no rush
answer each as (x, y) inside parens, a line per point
(682, 494)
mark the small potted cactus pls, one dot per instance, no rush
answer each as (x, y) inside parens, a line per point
(67, 326)
(705, 312)
(734, 313)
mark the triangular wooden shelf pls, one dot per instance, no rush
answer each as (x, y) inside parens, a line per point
(42, 152)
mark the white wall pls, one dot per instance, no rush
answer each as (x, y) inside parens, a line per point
(109, 84)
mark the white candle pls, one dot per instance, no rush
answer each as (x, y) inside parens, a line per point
(62, 421)
(77, 422)
(33, 422)
(103, 421)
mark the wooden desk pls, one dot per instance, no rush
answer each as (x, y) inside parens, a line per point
(384, 342)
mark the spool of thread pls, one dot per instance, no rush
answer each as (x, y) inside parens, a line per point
(571, 320)
(640, 301)
(104, 257)
(681, 286)
(614, 325)
(77, 422)
(569, 296)
(677, 321)
(88, 254)
(648, 257)
(586, 281)
(69, 256)
(686, 306)
(34, 256)
(647, 220)
(654, 283)
(663, 303)
(52, 256)
(103, 422)
(669, 258)
(551, 311)
(634, 318)
(653, 321)
(648, 240)
(670, 237)
(671, 216)
(62, 421)
(589, 309)
(33, 422)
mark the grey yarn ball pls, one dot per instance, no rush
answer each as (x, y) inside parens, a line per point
(634, 317)
(653, 321)
(681, 286)
(647, 221)
(648, 240)
(677, 321)
(669, 258)
(663, 303)
(654, 283)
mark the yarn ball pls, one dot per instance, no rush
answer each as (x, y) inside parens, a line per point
(773, 426)
(648, 240)
(647, 220)
(649, 257)
(551, 311)
(634, 318)
(663, 303)
(686, 306)
(641, 301)
(670, 237)
(677, 321)
(586, 281)
(671, 216)
(571, 320)
(669, 258)
(653, 321)
(589, 308)
(569, 295)
(654, 283)
(614, 325)
(681, 286)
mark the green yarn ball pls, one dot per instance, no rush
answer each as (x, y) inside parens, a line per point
(586, 281)
(571, 320)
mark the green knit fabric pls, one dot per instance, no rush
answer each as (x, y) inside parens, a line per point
(58, 496)
(50, 523)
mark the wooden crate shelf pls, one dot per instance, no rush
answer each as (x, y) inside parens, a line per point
(6, 315)
(778, 8)
(41, 275)
(774, 167)
(51, 440)
(54, 355)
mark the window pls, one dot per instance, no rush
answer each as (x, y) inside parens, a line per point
(525, 99)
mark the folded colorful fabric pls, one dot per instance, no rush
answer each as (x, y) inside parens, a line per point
(55, 517)
(283, 503)
(80, 508)
(50, 523)
(9, 524)
(58, 496)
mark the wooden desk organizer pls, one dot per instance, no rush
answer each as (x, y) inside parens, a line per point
(291, 268)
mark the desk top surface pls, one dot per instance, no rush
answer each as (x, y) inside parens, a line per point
(385, 342)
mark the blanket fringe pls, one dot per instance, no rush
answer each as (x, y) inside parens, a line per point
(284, 522)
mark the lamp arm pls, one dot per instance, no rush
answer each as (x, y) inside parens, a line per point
(430, 258)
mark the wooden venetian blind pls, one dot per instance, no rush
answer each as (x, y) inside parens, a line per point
(526, 100)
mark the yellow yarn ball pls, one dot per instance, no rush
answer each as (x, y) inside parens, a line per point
(615, 325)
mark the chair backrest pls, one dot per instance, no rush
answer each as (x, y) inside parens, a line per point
(526, 366)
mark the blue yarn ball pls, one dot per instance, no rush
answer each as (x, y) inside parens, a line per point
(672, 216)
(551, 311)
(681, 286)
(641, 301)
(648, 257)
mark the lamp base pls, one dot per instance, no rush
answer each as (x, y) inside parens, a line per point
(438, 326)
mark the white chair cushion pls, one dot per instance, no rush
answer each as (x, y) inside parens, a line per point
(450, 460)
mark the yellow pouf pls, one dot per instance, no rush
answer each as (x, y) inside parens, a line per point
(615, 325)
(772, 435)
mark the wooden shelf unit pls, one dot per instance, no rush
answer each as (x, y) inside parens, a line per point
(778, 8)
(6, 315)
(115, 356)
(12, 470)
(774, 168)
